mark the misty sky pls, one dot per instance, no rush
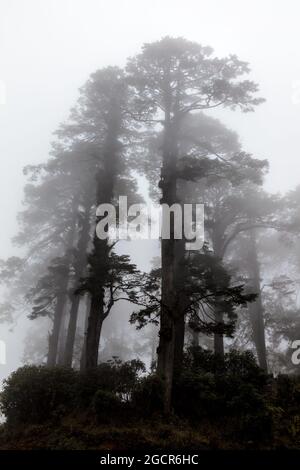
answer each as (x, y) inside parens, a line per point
(48, 48)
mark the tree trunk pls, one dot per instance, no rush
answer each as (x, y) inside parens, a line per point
(61, 297)
(54, 337)
(93, 333)
(62, 335)
(166, 348)
(153, 346)
(104, 194)
(165, 354)
(219, 318)
(83, 351)
(80, 269)
(71, 333)
(256, 307)
(182, 301)
(179, 344)
(257, 321)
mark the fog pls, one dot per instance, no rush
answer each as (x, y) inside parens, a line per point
(48, 50)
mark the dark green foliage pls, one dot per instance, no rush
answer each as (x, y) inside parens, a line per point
(288, 392)
(43, 296)
(207, 286)
(106, 405)
(233, 388)
(235, 363)
(113, 376)
(233, 398)
(35, 394)
(147, 398)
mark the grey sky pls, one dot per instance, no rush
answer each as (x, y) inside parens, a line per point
(48, 49)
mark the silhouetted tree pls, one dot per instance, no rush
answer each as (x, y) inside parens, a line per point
(172, 78)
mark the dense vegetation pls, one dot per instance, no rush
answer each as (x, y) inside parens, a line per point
(218, 321)
(226, 404)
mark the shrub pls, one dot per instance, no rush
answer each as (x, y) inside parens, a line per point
(106, 406)
(215, 388)
(35, 394)
(288, 392)
(147, 397)
(195, 395)
(235, 363)
(112, 376)
(256, 426)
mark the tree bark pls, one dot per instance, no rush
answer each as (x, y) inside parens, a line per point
(166, 348)
(54, 337)
(256, 308)
(182, 302)
(93, 334)
(179, 344)
(80, 268)
(219, 318)
(71, 333)
(83, 351)
(62, 296)
(219, 337)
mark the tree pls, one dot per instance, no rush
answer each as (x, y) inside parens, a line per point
(208, 287)
(50, 225)
(171, 78)
(49, 299)
(256, 308)
(100, 120)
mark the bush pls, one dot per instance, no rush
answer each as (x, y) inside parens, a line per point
(212, 387)
(147, 398)
(288, 392)
(235, 363)
(195, 395)
(106, 406)
(35, 394)
(112, 376)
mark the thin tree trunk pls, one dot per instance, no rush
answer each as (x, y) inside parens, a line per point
(62, 335)
(80, 268)
(71, 333)
(62, 297)
(54, 337)
(219, 317)
(256, 307)
(179, 344)
(153, 345)
(83, 351)
(166, 347)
